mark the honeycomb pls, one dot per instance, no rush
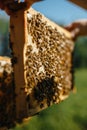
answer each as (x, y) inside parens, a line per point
(48, 64)
(40, 72)
(7, 94)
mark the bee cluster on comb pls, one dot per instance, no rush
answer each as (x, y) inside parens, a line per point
(48, 63)
(7, 94)
(40, 71)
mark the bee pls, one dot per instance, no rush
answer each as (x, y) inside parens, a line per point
(11, 6)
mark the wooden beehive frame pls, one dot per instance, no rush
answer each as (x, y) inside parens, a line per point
(18, 40)
(20, 36)
(81, 3)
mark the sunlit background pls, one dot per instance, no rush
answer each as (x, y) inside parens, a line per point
(72, 113)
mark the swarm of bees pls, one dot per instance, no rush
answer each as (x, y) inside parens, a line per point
(47, 71)
(48, 64)
(7, 94)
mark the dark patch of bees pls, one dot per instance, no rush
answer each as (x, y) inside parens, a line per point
(7, 96)
(14, 60)
(45, 90)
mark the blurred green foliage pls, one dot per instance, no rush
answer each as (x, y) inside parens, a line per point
(3, 26)
(80, 53)
(4, 38)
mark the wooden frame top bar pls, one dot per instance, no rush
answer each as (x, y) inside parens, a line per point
(81, 3)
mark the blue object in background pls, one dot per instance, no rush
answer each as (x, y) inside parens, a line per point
(62, 12)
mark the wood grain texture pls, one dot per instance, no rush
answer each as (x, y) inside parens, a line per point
(17, 31)
(81, 3)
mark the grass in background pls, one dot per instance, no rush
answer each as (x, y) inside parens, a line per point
(70, 114)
